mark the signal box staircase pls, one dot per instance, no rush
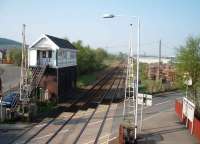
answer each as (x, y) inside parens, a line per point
(36, 76)
(31, 82)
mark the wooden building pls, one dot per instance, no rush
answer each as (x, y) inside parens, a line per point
(58, 59)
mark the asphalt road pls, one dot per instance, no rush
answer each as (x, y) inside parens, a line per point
(161, 103)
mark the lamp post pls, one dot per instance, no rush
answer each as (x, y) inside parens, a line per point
(137, 73)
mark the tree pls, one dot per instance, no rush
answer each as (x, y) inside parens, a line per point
(88, 59)
(188, 61)
(143, 71)
(101, 54)
(14, 55)
(122, 56)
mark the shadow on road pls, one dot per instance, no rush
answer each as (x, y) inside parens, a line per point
(155, 137)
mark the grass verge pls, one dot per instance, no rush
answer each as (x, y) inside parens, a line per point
(86, 79)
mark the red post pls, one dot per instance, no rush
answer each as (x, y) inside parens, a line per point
(121, 134)
(178, 109)
(0, 87)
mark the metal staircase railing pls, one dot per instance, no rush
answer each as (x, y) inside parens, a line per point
(36, 77)
(31, 81)
(129, 100)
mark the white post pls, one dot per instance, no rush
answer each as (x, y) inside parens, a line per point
(141, 113)
(127, 74)
(22, 63)
(137, 78)
(131, 41)
(182, 110)
(125, 91)
(186, 90)
(1, 110)
(132, 84)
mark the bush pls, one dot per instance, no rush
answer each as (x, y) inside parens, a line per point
(188, 67)
(14, 55)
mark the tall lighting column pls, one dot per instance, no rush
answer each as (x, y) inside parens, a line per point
(137, 69)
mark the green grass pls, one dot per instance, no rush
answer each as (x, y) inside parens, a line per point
(45, 106)
(86, 79)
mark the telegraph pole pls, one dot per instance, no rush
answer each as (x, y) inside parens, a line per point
(22, 63)
(159, 62)
(24, 72)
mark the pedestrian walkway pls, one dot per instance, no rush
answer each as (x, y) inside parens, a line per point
(165, 128)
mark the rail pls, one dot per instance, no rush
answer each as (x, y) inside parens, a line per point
(105, 116)
(87, 102)
(86, 98)
(93, 113)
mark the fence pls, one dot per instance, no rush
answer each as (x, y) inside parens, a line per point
(196, 128)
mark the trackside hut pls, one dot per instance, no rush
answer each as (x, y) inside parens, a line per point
(59, 55)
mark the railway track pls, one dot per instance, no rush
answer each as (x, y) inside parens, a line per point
(77, 126)
(87, 131)
(48, 129)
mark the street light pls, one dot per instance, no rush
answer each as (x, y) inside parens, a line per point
(108, 16)
(138, 49)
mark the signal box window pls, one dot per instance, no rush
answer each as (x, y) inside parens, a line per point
(50, 54)
(43, 54)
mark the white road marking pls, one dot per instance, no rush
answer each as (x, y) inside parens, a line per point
(48, 135)
(93, 123)
(146, 107)
(167, 101)
(82, 114)
(156, 114)
(40, 125)
(163, 102)
(112, 138)
(97, 111)
(62, 131)
(150, 106)
(91, 141)
(106, 135)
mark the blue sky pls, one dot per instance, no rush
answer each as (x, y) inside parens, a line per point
(172, 21)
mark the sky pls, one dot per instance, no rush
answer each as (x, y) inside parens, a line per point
(171, 21)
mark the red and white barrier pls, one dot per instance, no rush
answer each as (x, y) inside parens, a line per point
(182, 117)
